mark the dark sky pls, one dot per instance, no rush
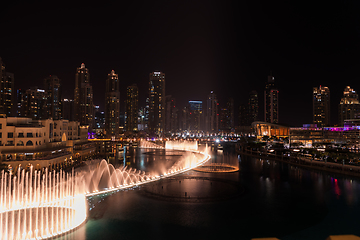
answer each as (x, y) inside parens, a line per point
(228, 47)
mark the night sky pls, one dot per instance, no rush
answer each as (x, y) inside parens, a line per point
(228, 47)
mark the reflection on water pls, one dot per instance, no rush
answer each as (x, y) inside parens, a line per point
(279, 201)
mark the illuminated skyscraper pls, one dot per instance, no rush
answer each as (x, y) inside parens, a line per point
(212, 115)
(112, 104)
(321, 106)
(271, 101)
(83, 98)
(132, 108)
(349, 107)
(53, 90)
(35, 104)
(156, 122)
(6, 91)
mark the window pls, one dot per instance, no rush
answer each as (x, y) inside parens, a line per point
(0, 125)
(20, 143)
(21, 135)
(10, 135)
(29, 143)
(29, 135)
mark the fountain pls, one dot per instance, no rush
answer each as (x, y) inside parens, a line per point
(39, 205)
(44, 204)
(182, 145)
(147, 144)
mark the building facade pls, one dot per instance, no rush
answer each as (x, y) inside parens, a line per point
(7, 94)
(171, 118)
(41, 143)
(253, 104)
(112, 104)
(195, 116)
(132, 108)
(156, 121)
(349, 106)
(52, 88)
(83, 98)
(35, 104)
(212, 113)
(271, 101)
(321, 106)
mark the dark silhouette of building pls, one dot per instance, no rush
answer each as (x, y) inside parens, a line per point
(212, 115)
(52, 87)
(132, 108)
(171, 118)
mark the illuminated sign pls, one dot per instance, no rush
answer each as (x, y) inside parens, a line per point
(157, 72)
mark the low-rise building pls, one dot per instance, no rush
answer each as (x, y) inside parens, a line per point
(41, 143)
(312, 136)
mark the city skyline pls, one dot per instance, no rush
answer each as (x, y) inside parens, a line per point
(217, 46)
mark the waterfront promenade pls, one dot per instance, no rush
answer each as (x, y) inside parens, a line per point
(338, 168)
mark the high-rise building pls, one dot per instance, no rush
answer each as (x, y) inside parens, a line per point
(132, 108)
(35, 104)
(156, 122)
(67, 109)
(230, 125)
(195, 116)
(6, 91)
(349, 107)
(253, 106)
(53, 90)
(171, 120)
(321, 106)
(112, 104)
(20, 104)
(271, 101)
(99, 118)
(212, 115)
(83, 98)
(224, 120)
(243, 115)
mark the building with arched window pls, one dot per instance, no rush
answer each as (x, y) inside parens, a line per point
(42, 143)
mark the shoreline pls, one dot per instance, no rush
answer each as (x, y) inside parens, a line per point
(345, 170)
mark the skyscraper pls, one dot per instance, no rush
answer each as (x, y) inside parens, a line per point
(171, 120)
(271, 101)
(132, 108)
(35, 101)
(195, 116)
(6, 91)
(112, 104)
(230, 125)
(83, 98)
(53, 90)
(349, 107)
(156, 120)
(321, 106)
(253, 106)
(212, 116)
(67, 109)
